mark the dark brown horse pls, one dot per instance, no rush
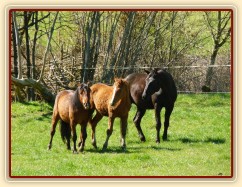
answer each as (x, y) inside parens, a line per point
(112, 101)
(71, 108)
(153, 91)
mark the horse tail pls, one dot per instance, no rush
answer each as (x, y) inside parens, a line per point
(65, 131)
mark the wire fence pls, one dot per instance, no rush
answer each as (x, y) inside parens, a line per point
(188, 78)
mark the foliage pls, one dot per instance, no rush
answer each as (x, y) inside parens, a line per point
(99, 45)
(199, 143)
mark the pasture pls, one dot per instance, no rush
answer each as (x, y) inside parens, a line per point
(199, 143)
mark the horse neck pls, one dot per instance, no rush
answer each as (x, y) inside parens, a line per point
(91, 100)
(165, 86)
(126, 97)
(160, 85)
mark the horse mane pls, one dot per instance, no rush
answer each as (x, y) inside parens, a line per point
(75, 99)
(126, 84)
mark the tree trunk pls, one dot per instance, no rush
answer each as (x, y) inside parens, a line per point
(209, 74)
(220, 34)
(44, 92)
(15, 52)
(110, 45)
(171, 38)
(18, 46)
(33, 51)
(118, 56)
(26, 21)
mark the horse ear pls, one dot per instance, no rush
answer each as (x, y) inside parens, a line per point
(146, 71)
(89, 83)
(81, 85)
(156, 70)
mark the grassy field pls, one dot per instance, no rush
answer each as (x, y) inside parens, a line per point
(199, 143)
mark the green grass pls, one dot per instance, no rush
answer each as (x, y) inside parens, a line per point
(199, 143)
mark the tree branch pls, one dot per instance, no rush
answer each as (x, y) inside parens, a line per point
(47, 48)
(45, 93)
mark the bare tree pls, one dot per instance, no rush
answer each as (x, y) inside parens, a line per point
(91, 47)
(18, 45)
(47, 47)
(220, 31)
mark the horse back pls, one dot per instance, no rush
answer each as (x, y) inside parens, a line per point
(101, 94)
(136, 86)
(62, 102)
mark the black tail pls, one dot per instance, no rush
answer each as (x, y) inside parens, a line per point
(65, 131)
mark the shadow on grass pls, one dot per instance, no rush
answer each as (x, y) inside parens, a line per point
(166, 148)
(208, 140)
(44, 116)
(113, 150)
(130, 150)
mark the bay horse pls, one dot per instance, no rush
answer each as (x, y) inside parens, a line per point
(112, 101)
(152, 90)
(71, 108)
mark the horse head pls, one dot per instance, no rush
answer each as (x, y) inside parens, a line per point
(118, 91)
(152, 84)
(84, 95)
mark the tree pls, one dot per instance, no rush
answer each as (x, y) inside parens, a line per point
(98, 45)
(91, 47)
(220, 29)
(17, 40)
(19, 82)
(47, 48)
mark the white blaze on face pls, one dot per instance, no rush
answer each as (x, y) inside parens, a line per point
(114, 91)
(83, 101)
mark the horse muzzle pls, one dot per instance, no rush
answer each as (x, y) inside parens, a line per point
(86, 106)
(144, 96)
(111, 103)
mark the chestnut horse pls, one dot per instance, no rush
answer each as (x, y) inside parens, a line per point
(112, 101)
(152, 90)
(71, 108)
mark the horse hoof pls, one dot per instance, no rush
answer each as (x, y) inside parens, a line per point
(49, 147)
(79, 144)
(164, 138)
(157, 141)
(124, 149)
(94, 145)
(104, 147)
(143, 139)
(74, 152)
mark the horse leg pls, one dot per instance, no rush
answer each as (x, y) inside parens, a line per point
(94, 123)
(158, 122)
(74, 136)
(80, 140)
(55, 119)
(167, 121)
(109, 132)
(123, 128)
(84, 136)
(68, 144)
(137, 119)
